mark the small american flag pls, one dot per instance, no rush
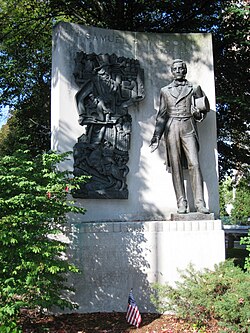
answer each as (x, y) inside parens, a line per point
(133, 315)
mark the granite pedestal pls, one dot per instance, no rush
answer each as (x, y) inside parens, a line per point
(117, 256)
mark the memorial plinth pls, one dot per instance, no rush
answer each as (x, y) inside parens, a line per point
(135, 238)
(191, 217)
(117, 256)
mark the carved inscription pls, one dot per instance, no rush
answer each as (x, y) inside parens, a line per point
(106, 38)
(108, 86)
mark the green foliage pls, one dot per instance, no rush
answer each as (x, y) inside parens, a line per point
(226, 195)
(33, 207)
(231, 50)
(241, 208)
(246, 241)
(30, 122)
(236, 193)
(222, 294)
(10, 327)
(25, 65)
(238, 255)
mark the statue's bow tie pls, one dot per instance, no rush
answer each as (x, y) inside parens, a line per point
(180, 83)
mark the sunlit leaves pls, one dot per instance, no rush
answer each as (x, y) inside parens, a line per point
(33, 260)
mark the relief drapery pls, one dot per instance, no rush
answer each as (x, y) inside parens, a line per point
(108, 86)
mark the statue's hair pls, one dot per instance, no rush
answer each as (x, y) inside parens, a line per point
(184, 65)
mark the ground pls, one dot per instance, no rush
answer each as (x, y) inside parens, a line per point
(114, 322)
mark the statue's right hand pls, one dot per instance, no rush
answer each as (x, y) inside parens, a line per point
(154, 143)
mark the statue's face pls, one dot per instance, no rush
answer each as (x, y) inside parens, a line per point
(179, 71)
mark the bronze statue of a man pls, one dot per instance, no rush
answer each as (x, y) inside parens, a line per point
(181, 106)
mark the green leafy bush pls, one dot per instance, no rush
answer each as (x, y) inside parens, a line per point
(221, 294)
(33, 207)
(246, 241)
(241, 208)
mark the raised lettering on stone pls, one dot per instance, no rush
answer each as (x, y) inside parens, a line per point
(108, 86)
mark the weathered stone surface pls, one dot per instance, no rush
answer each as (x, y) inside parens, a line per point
(117, 256)
(151, 194)
(191, 217)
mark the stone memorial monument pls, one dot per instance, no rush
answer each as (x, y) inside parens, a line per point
(106, 107)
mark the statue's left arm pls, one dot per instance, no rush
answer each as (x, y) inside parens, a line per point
(200, 104)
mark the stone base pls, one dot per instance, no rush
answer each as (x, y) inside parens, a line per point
(191, 217)
(117, 256)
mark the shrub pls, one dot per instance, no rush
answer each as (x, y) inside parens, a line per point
(246, 241)
(221, 294)
(33, 207)
(241, 208)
